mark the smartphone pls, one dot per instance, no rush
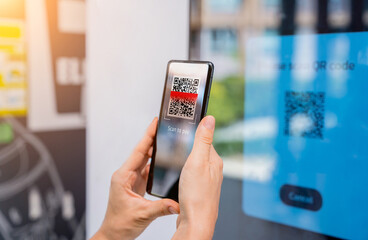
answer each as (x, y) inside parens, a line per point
(184, 104)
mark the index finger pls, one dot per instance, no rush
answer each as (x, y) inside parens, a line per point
(139, 157)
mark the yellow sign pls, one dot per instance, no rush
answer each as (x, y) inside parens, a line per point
(12, 68)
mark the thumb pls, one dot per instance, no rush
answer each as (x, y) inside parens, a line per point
(204, 136)
(162, 207)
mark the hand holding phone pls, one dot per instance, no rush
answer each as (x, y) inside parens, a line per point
(128, 212)
(184, 104)
(200, 186)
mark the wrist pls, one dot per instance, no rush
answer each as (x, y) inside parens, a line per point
(194, 230)
(107, 232)
(99, 235)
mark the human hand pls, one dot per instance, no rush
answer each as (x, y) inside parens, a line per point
(200, 186)
(128, 212)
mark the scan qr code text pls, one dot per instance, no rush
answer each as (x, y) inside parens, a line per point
(183, 97)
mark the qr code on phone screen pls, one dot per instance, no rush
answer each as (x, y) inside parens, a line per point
(183, 97)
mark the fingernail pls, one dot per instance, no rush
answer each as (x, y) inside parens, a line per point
(173, 210)
(209, 122)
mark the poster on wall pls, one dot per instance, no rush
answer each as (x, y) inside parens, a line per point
(56, 55)
(42, 125)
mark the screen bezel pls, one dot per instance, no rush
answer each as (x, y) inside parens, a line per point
(206, 96)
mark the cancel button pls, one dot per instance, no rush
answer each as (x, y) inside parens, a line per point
(301, 197)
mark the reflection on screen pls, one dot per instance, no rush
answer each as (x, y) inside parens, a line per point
(306, 104)
(179, 117)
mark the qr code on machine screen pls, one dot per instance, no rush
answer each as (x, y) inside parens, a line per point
(304, 114)
(183, 97)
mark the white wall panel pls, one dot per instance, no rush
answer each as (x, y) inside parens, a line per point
(128, 46)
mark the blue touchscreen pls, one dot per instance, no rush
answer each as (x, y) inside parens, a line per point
(306, 132)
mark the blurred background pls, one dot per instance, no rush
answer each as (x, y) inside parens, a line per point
(42, 120)
(219, 32)
(68, 65)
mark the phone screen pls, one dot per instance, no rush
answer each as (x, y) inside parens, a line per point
(184, 104)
